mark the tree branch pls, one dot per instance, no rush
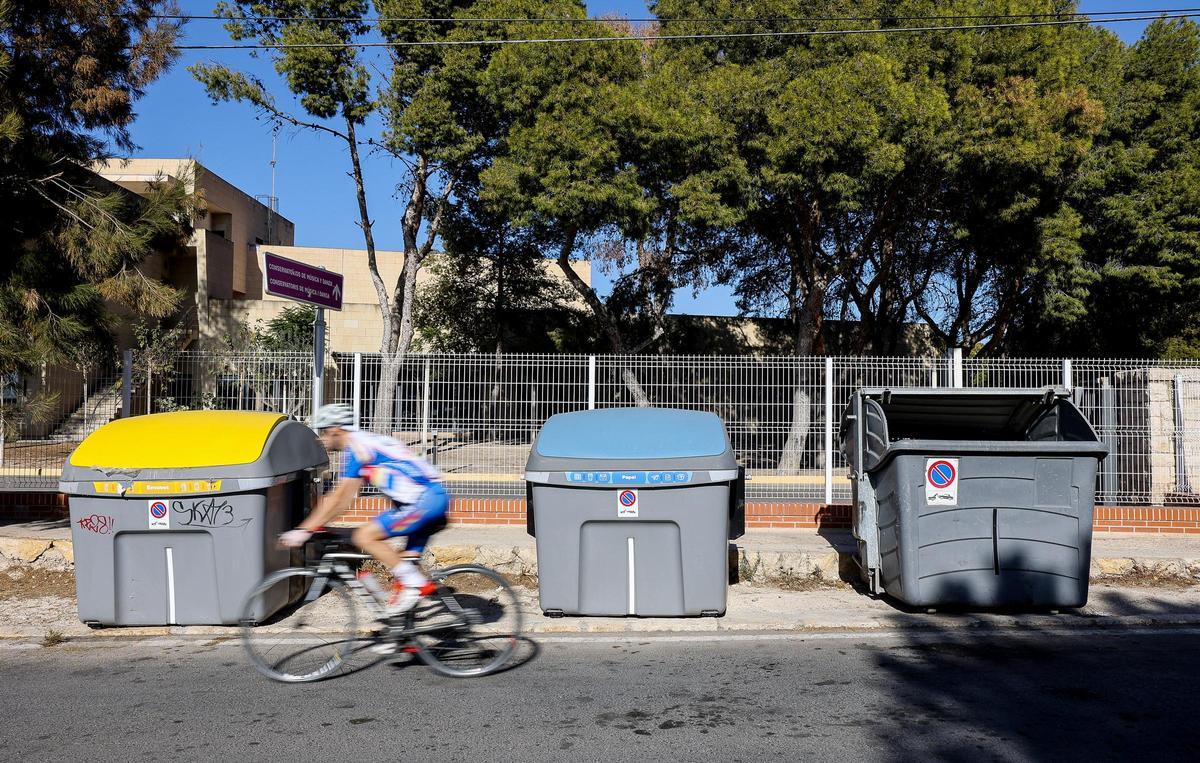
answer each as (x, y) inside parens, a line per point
(435, 225)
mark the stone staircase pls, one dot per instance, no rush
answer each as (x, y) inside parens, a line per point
(102, 407)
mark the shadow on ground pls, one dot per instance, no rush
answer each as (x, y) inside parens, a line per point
(1110, 693)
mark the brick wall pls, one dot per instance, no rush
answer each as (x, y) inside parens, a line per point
(759, 514)
(463, 511)
(511, 511)
(26, 507)
(785, 515)
(1147, 519)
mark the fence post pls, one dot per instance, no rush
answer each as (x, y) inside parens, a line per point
(591, 382)
(1067, 381)
(1182, 483)
(127, 384)
(425, 410)
(318, 388)
(1108, 429)
(356, 391)
(828, 431)
(956, 367)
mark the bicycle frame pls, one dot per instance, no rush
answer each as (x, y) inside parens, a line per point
(461, 652)
(334, 563)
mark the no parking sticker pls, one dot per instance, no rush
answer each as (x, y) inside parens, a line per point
(941, 482)
(160, 517)
(627, 503)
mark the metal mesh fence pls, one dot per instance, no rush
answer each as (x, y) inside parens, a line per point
(475, 416)
(44, 417)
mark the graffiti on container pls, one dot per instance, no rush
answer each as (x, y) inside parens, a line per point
(97, 523)
(207, 512)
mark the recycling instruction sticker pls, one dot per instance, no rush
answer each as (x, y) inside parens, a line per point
(159, 515)
(627, 503)
(941, 482)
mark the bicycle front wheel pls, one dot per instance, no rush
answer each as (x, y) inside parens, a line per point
(308, 639)
(471, 626)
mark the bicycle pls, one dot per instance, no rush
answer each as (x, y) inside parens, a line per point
(469, 627)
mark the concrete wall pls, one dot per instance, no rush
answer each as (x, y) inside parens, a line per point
(225, 260)
(219, 265)
(358, 327)
(1147, 415)
(220, 262)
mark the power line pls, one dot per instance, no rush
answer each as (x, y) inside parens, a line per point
(668, 37)
(663, 20)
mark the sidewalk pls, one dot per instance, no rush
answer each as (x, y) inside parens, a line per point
(752, 609)
(789, 583)
(763, 554)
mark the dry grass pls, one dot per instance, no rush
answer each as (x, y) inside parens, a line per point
(787, 580)
(27, 582)
(1148, 577)
(755, 572)
(523, 580)
(381, 573)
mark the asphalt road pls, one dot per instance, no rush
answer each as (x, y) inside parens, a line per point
(966, 696)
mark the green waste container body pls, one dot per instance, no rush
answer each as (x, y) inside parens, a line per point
(633, 510)
(977, 497)
(180, 543)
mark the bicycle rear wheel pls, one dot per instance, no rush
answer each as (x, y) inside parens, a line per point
(310, 639)
(471, 626)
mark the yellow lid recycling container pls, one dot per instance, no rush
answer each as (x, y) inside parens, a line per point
(174, 515)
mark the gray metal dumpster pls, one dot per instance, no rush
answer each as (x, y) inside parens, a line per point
(174, 516)
(972, 497)
(633, 510)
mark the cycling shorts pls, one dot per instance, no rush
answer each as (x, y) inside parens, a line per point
(417, 521)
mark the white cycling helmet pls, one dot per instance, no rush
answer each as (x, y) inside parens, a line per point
(336, 415)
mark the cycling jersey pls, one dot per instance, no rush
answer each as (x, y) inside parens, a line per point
(390, 466)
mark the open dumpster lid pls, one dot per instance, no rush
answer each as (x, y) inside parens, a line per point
(964, 413)
(633, 433)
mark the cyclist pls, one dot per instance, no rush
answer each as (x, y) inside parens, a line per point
(414, 486)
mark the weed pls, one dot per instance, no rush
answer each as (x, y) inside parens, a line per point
(790, 580)
(1140, 575)
(746, 570)
(53, 638)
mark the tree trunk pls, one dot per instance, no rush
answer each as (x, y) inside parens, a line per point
(397, 346)
(364, 222)
(611, 330)
(402, 305)
(498, 317)
(398, 340)
(791, 459)
(385, 397)
(389, 368)
(810, 328)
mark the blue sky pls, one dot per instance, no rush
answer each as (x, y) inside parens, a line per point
(176, 118)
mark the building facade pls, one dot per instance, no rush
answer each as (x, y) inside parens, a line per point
(222, 271)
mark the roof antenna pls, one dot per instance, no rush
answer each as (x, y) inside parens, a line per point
(272, 202)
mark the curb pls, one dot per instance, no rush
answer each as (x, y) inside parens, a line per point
(751, 565)
(39, 552)
(218, 635)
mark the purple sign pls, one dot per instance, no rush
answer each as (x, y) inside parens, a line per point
(304, 283)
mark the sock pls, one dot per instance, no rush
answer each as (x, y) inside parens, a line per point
(409, 574)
